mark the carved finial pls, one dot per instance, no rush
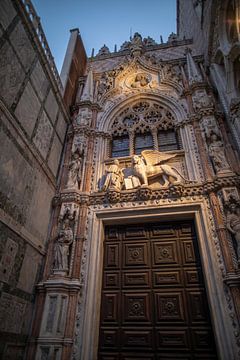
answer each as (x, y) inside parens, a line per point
(194, 75)
(88, 88)
(136, 45)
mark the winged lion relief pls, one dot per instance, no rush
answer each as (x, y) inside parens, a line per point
(145, 168)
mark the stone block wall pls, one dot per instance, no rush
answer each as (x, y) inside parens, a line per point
(193, 21)
(33, 123)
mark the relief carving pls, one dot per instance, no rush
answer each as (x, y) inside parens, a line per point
(140, 80)
(114, 177)
(105, 84)
(150, 165)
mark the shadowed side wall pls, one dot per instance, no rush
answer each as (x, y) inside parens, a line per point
(33, 123)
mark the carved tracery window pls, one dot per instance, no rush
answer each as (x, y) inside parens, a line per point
(144, 125)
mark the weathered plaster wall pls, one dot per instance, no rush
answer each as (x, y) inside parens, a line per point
(33, 124)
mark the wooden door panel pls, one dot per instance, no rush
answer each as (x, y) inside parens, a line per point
(141, 339)
(154, 304)
(162, 231)
(170, 307)
(197, 304)
(193, 277)
(136, 254)
(188, 252)
(167, 278)
(136, 279)
(110, 308)
(111, 280)
(167, 339)
(132, 232)
(110, 338)
(165, 253)
(112, 258)
(136, 308)
(138, 356)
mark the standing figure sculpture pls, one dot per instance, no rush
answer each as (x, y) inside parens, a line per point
(61, 251)
(114, 177)
(233, 224)
(217, 153)
(75, 169)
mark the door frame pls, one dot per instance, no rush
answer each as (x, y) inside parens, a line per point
(197, 211)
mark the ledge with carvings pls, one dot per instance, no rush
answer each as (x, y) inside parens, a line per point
(146, 193)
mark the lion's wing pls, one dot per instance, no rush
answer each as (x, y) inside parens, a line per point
(154, 157)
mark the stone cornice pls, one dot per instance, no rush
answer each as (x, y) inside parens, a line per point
(88, 131)
(86, 104)
(59, 284)
(144, 193)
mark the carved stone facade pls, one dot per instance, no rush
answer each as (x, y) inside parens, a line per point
(153, 138)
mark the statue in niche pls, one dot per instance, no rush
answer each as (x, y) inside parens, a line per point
(210, 126)
(233, 222)
(152, 164)
(202, 100)
(75, 169)
(83, 117)
(217, 153)
(114, 177)
(63, 243)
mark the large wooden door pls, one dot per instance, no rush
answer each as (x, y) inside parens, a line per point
(154, 304)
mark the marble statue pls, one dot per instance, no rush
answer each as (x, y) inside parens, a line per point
(233, 223)
(217, 153)
(151, 164)
(75, 169)
(114, 177)
(62, 245)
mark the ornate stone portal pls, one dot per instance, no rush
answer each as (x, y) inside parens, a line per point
(145, 144)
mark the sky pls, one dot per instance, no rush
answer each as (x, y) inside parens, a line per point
(102, 22)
